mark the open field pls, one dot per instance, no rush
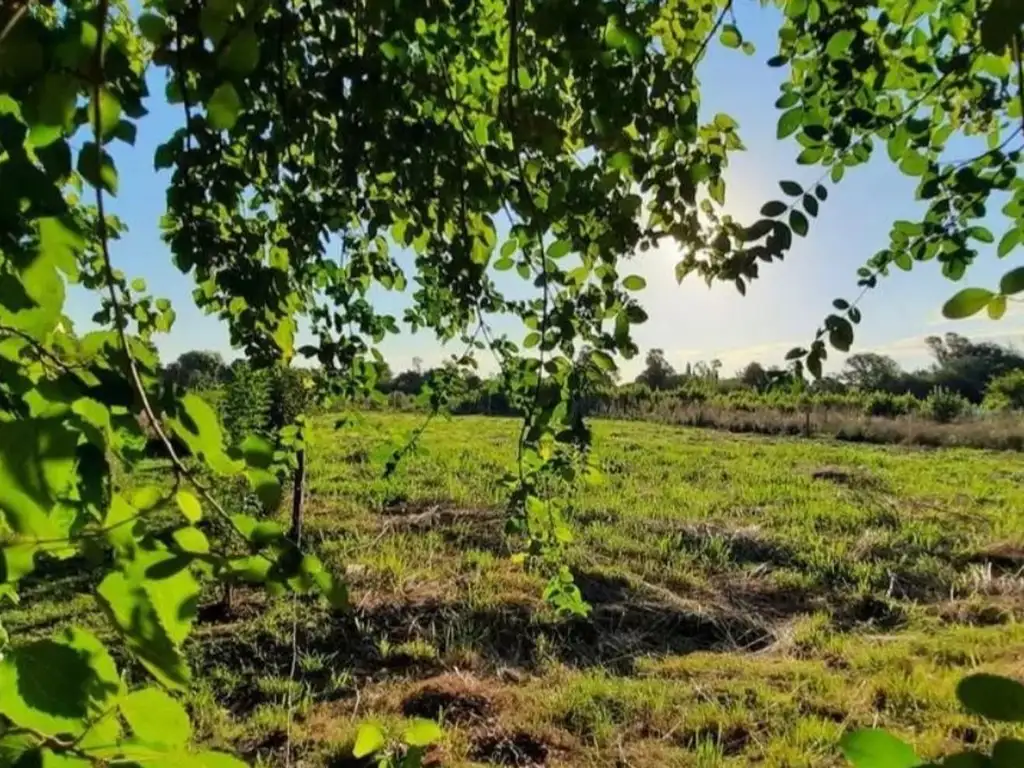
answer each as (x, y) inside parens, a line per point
(752, 599)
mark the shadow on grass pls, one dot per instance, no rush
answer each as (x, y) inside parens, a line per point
(624, 625)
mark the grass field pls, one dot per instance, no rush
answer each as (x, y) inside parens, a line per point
(752, 599)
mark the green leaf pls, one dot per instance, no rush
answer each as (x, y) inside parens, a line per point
(422, 733)
(791, 188)
(109, 112)
(191, 540)
(32, 298)
(821, 192)
(1012, 282)
(634, 283)
(1001, 19)
(874, 748)
(1008, 242)
(839, 44)
(810, 156)
(618, 37)
(153, 28)
(914, 163)
(531, 340)
(119, 524)
(257, 451)
(602, 360)
(242, 54)
(156, 718)
(725, 122)
(197, 425)
(992, 696)
(369, 739)
(17, 746)
(332, 588)
(559, 248)
(798, 223)
(60, 241)
(392, 51)
(17, 561)
(964, 760)
(981, 234)
(1007, 753)
(790, 122)
(55, 99)
(37, 468)
(480, 130)
(223, 108)
(774, 208)
(620, 161)
(814, 359)
(731, 37)
(840, 333)
(97, 168)
(189, 506)
(967, 302)
(266, 486)
(152, 602)
(811, 205)
(58, 685)
(997, 307)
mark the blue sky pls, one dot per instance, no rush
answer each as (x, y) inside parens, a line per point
(690, 322)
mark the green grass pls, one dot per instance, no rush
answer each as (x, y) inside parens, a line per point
(753, 598)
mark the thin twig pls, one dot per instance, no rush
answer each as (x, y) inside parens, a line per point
(13, 21)
(1020, 73)
(413, 441)
(119, 316)
(727, 8)
(512, 85)
(967, 161)
(39, 348)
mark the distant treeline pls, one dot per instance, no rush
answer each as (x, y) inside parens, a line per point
(970, 395)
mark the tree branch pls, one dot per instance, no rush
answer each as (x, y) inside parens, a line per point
(39, 348)
(119, 316)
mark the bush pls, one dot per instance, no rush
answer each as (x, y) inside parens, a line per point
(944, 405)
(881, 404)
(290, 392)
(889, 406)
(1005, 393)
(264, 401)
(245, 408)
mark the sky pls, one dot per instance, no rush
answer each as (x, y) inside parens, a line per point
(690, 322)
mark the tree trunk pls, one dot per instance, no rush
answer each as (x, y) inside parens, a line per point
(298, 493)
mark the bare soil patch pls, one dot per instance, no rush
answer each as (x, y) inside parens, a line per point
(515, 748)
(453, 698)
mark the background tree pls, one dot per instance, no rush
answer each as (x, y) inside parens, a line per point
(1006, 392)
(197, 370)
(754, 376)
(967, 367)
(871, 372)
(658, 373)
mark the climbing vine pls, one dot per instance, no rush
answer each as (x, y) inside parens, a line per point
(490, 160)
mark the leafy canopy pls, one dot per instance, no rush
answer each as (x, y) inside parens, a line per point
(317, 143)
